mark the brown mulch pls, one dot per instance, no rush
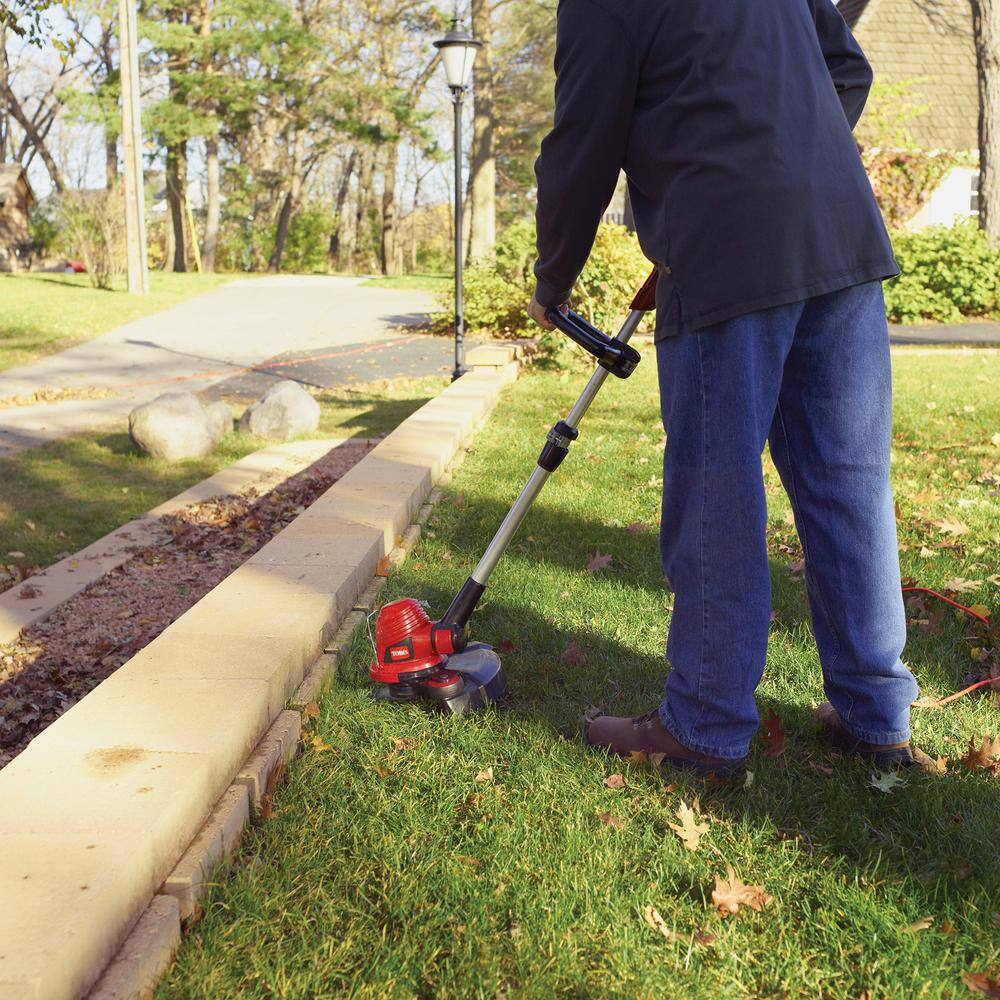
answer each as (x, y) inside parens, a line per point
(54, 394)
(61, 658)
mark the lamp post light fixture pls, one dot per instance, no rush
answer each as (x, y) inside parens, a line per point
(458, 52)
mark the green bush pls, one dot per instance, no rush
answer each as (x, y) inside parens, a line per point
(498, 288)
(308, 239)
(946, 274)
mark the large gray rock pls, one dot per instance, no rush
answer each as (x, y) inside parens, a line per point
(283, 412)
(220, 413)
(172, 426)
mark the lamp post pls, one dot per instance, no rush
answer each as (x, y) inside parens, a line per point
(458, 53)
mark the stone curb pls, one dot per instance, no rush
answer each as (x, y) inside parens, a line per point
(100, 811)
(59, 582)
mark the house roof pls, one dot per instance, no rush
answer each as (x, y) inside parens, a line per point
(10, 173)
(927, 44)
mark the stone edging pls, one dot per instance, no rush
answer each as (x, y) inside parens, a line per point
(110, 818)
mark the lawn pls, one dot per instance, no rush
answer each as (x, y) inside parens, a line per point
(429, 282)
(413, 855)
(44, 313)
(59, 497)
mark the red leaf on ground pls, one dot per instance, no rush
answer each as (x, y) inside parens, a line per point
(573, 655)
(597, 561)
(384, 567)
(987, 983)
(774, 735)
(983, 756)
(508, 646)
(610, 819)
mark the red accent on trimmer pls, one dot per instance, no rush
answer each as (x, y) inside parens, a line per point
(645, 298)
(404, 642)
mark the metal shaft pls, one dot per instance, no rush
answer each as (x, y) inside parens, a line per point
(538, 478)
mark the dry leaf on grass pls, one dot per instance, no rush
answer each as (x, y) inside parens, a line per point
(610, 819)
(949, 526)
(310, 711)
(652, 917)
(987, 983)
(384, 567)
(485, 775)
(597, 561)
(983, 756)
(614, 781)
(774, 735)
(961, 586)
(932, 765)
(319, 746)
(573, 655)
(636, 757)
(689, 829)
(730, 893)
(919, 925)
(886, 781)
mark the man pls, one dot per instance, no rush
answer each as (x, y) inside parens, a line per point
(732, 120)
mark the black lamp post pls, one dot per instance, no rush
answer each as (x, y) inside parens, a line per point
(458, 53)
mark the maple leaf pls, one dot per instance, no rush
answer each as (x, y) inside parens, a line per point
(987, 983)
(597, 561)
(951, 527)
(614, 781)
(610, 819)
(652, 917)
(928, 763)
(689, 829)
(886, 781)
(981, 756)
(485, 775)
(774, 735)
(573, 655)
(730, 893)
(962, 586)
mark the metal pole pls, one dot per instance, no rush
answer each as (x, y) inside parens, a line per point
(135, 200)
(459, 322)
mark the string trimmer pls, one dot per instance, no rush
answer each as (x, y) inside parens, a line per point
(416, 658)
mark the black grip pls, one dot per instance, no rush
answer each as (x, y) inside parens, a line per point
(613, 355)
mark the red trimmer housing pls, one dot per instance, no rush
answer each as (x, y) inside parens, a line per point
(408, 645)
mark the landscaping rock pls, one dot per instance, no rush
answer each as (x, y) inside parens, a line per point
(284, 411)
(175, 425)
(220, 413)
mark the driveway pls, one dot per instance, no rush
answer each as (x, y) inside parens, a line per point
(216, 337)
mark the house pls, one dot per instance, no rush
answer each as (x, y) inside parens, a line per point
(929, 45)
(16, 201)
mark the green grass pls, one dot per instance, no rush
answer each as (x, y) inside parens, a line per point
(61, 496)
(412, 282)
(44, 313)
(389, 871)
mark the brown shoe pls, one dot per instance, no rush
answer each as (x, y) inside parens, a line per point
(833, 731)
(624, 735)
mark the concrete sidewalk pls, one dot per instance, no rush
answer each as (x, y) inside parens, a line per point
(200, 342)
(982, 334)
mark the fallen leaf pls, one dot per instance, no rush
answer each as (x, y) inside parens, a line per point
(980, 609)
(636, 527)
(508, 646)
(730, 893)
(614, 781)
(319, 746)
(460, 500)
(689, 829)
(384, 567)
(597, 561)
(987, 983)
(774, 735)
(982, 756)
(310, 711)
(926, 553)
(636, 757)
(656, 759)
(748, 780)
(927, 701)
(30, 525)
(652, 917)
(405, 743)
(485, 775)
(919, 925)
(886, 781)
(928, 763)
(27, 592)
(382, 771)
(610, 819)
(573, 655)
(949, 526)
(703, 937)
(962, 586)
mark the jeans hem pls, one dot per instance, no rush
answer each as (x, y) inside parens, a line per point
(724, 753)
(877, 737)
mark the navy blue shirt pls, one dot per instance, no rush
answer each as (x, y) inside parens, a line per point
(732, 120)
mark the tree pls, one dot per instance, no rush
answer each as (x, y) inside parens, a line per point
(986, 29)
(482, 163)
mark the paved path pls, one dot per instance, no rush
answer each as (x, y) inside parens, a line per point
(213, 337)
(983, 333)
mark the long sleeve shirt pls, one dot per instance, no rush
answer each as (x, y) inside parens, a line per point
(732, 120)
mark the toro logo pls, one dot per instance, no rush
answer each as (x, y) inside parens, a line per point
(397, 651)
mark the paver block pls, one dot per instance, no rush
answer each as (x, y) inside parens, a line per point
(277, 745)
(344, 636)
(492, 355)
(215, 842)
(315, 681)
(369, 597)
(145, 956)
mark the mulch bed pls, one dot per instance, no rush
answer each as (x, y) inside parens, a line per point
(61, 658)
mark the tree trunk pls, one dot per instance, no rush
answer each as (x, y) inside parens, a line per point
(343, 190)
(290, 203)
(482, 168)
(390, 263)
(361, 208)
(212, 205)
(110, 160)
(176, 192)
(35, 138)
(986, 26)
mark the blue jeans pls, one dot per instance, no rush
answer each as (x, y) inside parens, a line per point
(812, 379)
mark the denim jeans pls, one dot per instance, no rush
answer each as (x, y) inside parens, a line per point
(812, 379)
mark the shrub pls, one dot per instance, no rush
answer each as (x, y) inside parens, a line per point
(946, 273)
(498, 288)
(305, 250)
(93, 229)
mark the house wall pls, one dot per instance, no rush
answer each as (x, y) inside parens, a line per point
(951, 198)
(14, 226)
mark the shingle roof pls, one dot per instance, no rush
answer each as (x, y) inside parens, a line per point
(9, 174)
(929, 45)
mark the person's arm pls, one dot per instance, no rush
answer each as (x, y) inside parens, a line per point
(852, 75)
(577, 169)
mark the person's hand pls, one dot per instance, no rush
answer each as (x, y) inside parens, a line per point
(537, 313)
